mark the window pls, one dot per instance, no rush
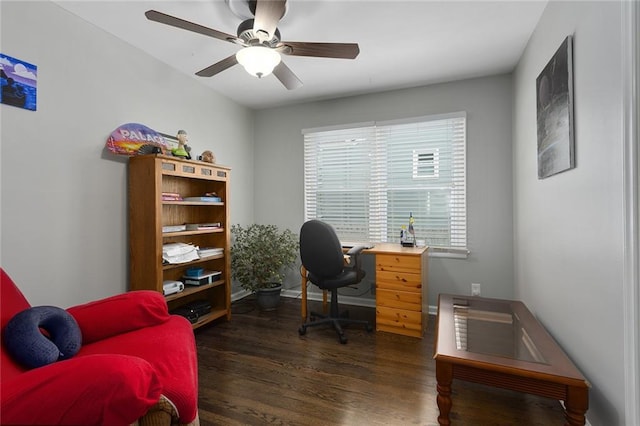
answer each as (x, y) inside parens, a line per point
(368, 178)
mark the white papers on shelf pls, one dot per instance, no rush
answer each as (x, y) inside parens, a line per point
(179, 252)
(174, 228)
(210, 251)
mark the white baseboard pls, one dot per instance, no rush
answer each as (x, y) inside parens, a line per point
(239, 295)
(347, 300)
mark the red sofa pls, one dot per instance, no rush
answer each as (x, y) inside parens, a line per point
(136, 362)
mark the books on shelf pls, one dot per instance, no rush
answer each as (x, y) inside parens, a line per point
(205, 199)
(174, 228)
(192, 227)
(203, 226)
(171, 196)
(179, 253)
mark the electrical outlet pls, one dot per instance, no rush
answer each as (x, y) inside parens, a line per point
(475, 289)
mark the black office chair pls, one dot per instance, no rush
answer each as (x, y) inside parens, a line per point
(322, 257)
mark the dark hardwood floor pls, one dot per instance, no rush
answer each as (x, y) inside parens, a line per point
(257, 370)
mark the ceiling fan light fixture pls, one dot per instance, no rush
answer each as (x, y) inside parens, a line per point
(259, 61)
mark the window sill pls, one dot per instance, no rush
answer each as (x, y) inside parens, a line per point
(448, 253)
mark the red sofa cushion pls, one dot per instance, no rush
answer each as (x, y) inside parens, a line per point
(121, 313)
(89, 390)
(170, 348)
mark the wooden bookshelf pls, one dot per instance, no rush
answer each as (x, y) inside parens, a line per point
(149, 177)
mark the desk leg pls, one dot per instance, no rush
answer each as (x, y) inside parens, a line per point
(303, 285)
(444, 376)
(576, 405)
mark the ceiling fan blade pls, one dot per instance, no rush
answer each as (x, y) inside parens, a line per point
(286, 76)
(218, 67)
(320, 50)
(163, 18)
(268, 13)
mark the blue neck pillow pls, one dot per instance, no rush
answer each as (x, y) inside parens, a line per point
(26, 343)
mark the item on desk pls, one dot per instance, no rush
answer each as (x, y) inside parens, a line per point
(179, 253)
(412, 231)
(409, 239)
(351, 244)
(174, 228)
(172, 287)
(205, 277)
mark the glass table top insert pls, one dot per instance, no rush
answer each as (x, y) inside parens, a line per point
(492, 328)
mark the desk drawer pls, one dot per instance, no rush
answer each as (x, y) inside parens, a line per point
(403, 281)
(398, 263)
(410, 301)
(399, 321)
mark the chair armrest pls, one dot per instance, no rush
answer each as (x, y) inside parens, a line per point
(85, 390)
(119, 314)
(356, 250)
(354, 260)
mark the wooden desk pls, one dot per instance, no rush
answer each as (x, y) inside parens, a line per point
(500, 343)
(401, 289)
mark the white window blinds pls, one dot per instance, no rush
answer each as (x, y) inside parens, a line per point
(366, 180)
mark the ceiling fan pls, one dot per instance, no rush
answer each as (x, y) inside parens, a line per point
(261, 43)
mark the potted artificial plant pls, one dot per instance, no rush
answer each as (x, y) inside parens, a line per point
(260, 255)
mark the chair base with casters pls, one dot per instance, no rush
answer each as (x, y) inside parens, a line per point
(334, 318)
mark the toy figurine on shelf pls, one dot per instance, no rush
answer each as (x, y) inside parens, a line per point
(182, 150)
(208, 157)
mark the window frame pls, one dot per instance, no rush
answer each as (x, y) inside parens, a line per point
(378, 222)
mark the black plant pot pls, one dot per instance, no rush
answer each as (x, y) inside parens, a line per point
(268, 299)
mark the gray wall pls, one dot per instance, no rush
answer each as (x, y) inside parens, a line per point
(64, 201)
(487, 101)
(568, 228)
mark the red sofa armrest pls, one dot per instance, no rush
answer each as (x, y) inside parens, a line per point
(118, 314)
(86, 390)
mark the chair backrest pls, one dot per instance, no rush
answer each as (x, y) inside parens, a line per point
(320, 249)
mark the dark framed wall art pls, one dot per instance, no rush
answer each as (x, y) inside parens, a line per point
(554, 89)
(18, 80)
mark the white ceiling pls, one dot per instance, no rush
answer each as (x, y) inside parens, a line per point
(402, 43)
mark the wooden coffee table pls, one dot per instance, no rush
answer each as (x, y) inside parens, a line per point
(500, 343)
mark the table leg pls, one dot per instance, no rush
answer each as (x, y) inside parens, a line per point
(444, 376)
(576, 405)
